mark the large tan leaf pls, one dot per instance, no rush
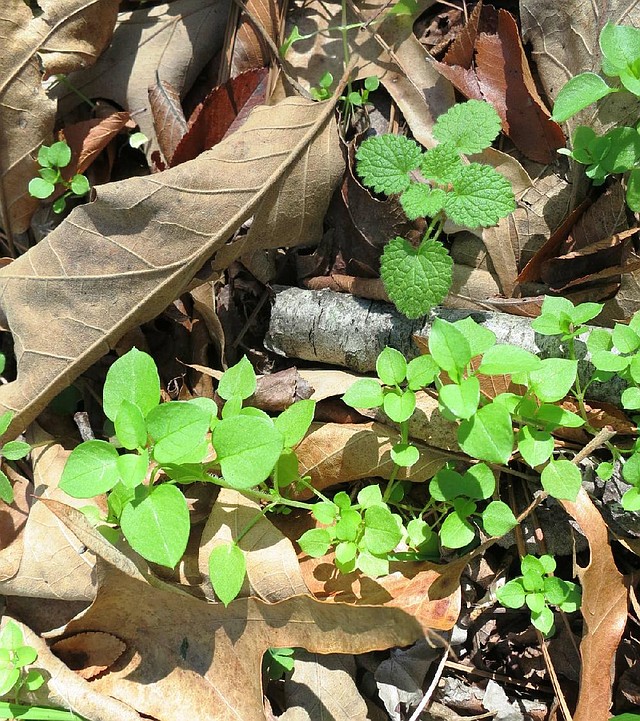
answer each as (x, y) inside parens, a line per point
(68, 35)
(121, 259)
(170, 43)
(187, 659)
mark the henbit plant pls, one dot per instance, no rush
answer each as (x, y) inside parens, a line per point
(436, 184)
(180, 442)
(10, 451)
(51, 159)
(618, 150)
(538, 590)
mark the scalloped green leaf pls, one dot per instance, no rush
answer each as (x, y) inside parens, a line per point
(480, 197)
(421, 201)
(470, 127)
(442, 163)
(385, 161)
(416, 280)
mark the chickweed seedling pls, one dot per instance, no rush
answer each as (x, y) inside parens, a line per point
(538, 590)
(11, 451)
(618, 150)
(180, 442)
(14, 657)
(436, 184)
(278, 662)
(51, 160)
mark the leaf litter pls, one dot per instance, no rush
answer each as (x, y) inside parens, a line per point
(257, 173)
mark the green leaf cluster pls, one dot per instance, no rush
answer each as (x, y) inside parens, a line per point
(14, 657)
(618, 150)
(10, 451)
(52, 158)
(438, 184)
(160, 446)
(538, 590)
(364, 534)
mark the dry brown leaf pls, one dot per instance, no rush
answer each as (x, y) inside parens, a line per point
(171, 42)
(169, 122)
(273, 572)
(487, 62)
(53, 563)
(249, 49)
(564, 38)
(187, 659)
(66, 689)
(604, 609)
(89, 653)
(405, 70)
(118, 261)
(69, 34)
(323, 687)
(88, 138)
(333, 453)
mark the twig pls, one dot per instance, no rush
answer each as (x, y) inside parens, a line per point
(432, 686)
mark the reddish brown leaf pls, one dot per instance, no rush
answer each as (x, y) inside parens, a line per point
(222, 111)
(604, 609)
(168, 118)
(88, 138)
(250, 51)
(488, 62)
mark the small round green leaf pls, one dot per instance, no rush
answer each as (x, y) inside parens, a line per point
(247, 448)
(316, 542)
(399, 405)
(80, 184)
(488, 435)
(630, 398)
(130, 427)
(178, 430)
(456, 531)
(448, 346)
(405, 454)
(370, 496)
(535, 446)
(553, 379)
(535, 601)
(133, 468)
(512, 594)
(91, 469)
(227, 570)
(239, 380)
(625, 339)
(9, 677)
(40, 188)
(294, 422)
(348, 527)
(543, 621)
(630, 500)
(6, 489)
(372, 565)
(133, 377)
(364, 393)
(59, 154)
(325, 512)
(498, 519)
(561, 479)
(158, 527)
(381, 531)
(605, 360)
(391, 366)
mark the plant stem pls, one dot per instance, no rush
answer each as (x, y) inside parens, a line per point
(253, 521)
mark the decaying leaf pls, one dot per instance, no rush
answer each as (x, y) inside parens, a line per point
(121, 259)
(189, 659)
(89, 653)
(168, 117)
(88, 138)
(171, 42)
(333, 453)
(250, 50)
(68, 35)
(604, 609)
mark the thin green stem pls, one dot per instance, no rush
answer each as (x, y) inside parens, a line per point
(314, 490)
(253, 522)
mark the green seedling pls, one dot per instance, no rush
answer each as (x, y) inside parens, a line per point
(10, 451)
(51, 160)
(278, 662)
(166, 445)
(347, 103)
(618, 150)
(15, 656)
(539, 590)
(435, 184)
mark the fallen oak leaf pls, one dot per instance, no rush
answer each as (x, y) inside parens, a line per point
(118, 261)
(604, 610)
(65, 36)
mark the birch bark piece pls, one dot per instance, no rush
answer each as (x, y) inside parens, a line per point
(337, 329)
